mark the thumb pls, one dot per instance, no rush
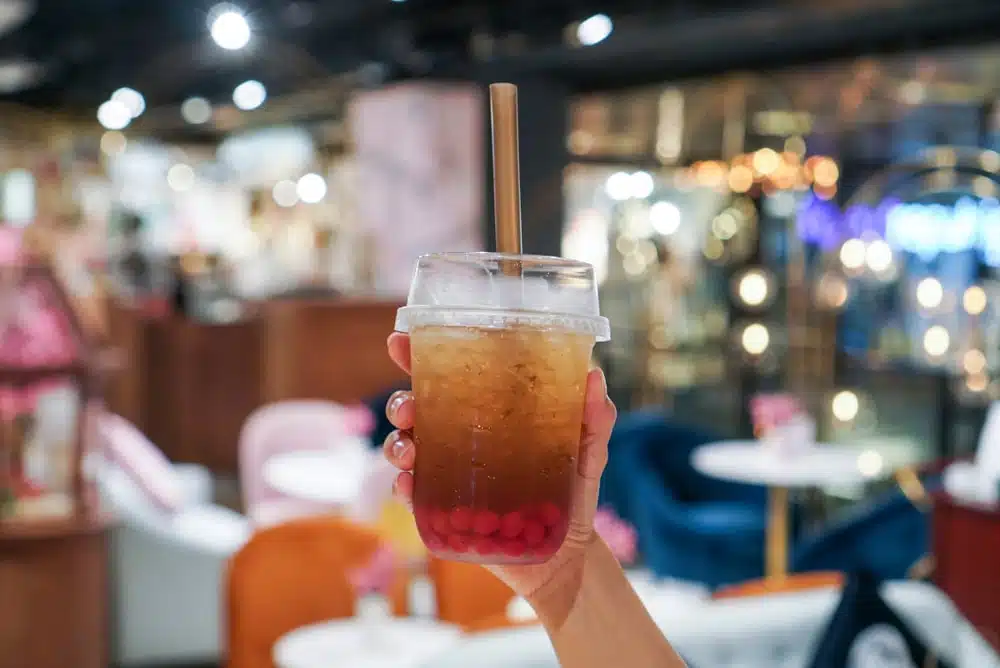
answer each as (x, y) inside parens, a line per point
(599, 415)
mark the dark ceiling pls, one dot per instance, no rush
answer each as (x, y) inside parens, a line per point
(85, 49)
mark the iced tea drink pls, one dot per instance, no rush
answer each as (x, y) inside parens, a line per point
(499, 368)
(498, 423)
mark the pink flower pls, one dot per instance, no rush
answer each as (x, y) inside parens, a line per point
(619, 535)
(771, 410)
(375, 577)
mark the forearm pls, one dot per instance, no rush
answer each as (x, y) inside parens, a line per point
(596, 620)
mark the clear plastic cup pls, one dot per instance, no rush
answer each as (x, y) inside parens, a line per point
(500, 347)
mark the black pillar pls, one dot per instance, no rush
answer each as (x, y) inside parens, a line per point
(543, 107)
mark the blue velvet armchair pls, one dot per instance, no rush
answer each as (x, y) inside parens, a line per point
(690, 526)
(885, 536)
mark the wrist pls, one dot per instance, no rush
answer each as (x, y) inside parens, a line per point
(554, 600)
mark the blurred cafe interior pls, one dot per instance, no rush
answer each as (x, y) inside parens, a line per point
(210, 213)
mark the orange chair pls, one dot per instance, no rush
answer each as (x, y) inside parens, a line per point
(785, 585)
(466, 594)
(291, 575)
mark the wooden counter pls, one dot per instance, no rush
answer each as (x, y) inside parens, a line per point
(190, 386)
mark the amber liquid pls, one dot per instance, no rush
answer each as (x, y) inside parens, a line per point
(498, 422)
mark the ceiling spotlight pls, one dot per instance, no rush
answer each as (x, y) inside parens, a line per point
(595, 29)
(229, 28)
(132, 99)
(196, 110)
(285, 193)
(114, 115)
(311, 188)
(665, 217)
(180, 177)
(249, 95)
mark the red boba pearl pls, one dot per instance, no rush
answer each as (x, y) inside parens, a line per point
(439, 522)
(534, 533)
(458, 543)
(511, 525)
(486, 545)
(549, 513)
(461, 519)
(513, 548)
(486, 522)
(433, 542)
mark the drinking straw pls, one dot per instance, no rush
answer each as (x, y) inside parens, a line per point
(506, 177)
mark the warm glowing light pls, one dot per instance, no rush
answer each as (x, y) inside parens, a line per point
(311, 188)
(665, 218)
(990, 161)
(740, 179)
(710, 174)
(825, 173)
(832, 291)
(249, 95)
(595, 29)
(753, 288)
(619, 186)
(929, 292)
(285, 193)
(977, 382)
(113, 142)
(766, 161)
(974, 300)
(229, 28)
(852, 254)
(974, 361)
(870, 463)
(936, 341)
(845, 405)
(196, 110)
(756, 338)
(641, 184)
(114, 115)
(180, 177)
(878, 255)
(132, 99)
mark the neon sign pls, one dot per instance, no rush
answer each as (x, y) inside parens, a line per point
(927, 230)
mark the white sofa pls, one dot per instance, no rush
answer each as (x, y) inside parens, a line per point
(778, 631)
(167, 569)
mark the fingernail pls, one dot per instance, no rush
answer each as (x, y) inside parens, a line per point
(394, 404)
(399, 447)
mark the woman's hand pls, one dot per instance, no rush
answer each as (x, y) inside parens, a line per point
(552, 585)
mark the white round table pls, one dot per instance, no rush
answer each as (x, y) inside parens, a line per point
(655, 594)
(820, 465)
(350, 643)
(330, 477)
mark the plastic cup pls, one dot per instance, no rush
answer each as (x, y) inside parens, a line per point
(500, 348)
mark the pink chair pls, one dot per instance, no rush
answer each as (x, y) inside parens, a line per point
(291, 426)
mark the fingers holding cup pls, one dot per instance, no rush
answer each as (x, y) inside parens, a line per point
(400, 450)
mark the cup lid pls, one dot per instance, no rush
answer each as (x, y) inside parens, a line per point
(503, 290)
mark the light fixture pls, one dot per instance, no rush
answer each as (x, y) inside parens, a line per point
(229, 28)
(113, 142)
(936, 341)
(852, 254)
(753, 288)
(249, 95)
(618, 186)
(870, 463)
(665, 218)
(878, 256)
(595, 29)
(196, 110)
(845, 405)
(974, 300)
(132, 99)
(285, 193)
(929, 292)
(311, 188)
(755, 338)
(974, 361)
(180, 177)
(641, 184)
(114, 115)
